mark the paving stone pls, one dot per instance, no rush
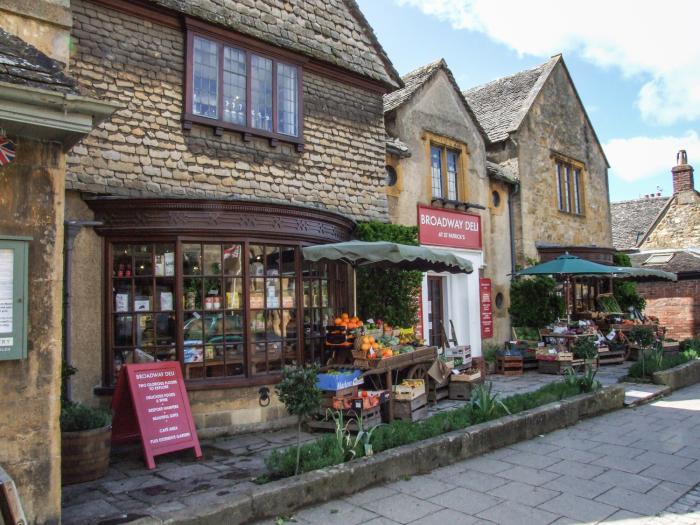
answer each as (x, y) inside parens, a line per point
(512, 513)
(627, 480)
(576, 469)
(446, 517)
(689, 452)
(618, 451)
(470, 479)
(535, 461)
(486, 465)
(423, 487)
(648, 504)
(682, 476)
(572, 454)
(624, 517)
(670, 447)
(339, 512)
(578, 508)
(372, 494)
(667, 460)
(88, 510)
(535, 446)
(402, 508)
(580, 487)
(522, 493)
(185, 471)
(381, 520)
(528, 475)
(465, 500)
(130, 484)
(633, 466)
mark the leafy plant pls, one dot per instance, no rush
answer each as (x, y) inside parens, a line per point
(351, 446)
(397, 304)
(488, 351)
(534, 301)
(299, 393)
(584, 348)
(625, 291)
(585, 382)
(484, 404)
(76, 417)
(321, 453)
(690, 344)
(644, 337)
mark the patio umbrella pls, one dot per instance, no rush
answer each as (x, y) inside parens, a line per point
(382, 254)
(569, 265)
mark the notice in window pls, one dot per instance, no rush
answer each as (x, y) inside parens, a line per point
(6, 284)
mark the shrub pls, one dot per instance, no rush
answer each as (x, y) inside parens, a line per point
(625, 291)
(584, 348)
(323, 452)
(690, 344)
(76, 417)
(534, 301)
(645, 368)
(488, 351)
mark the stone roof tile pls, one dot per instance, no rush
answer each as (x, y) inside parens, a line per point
(501, 105)
(682, 261)
(632, 219)
(333, 31)
(22, 63)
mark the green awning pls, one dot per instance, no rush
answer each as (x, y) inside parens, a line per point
(643, 274)
(572, 265)
(388, 255)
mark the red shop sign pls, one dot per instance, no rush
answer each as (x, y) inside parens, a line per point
(449, 228)
(486, 310)
(151, 402)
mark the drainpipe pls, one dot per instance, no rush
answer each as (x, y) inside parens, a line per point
(511, 225)
(72, 229)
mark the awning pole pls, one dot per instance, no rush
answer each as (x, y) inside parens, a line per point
(354, 290)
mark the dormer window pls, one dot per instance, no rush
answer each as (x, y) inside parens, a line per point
(233, 87)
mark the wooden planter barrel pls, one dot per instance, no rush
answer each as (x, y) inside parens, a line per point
(85, 454)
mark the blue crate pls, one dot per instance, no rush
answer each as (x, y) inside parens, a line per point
(333, 382)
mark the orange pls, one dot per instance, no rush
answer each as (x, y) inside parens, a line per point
(375, 346)
(338, 321)
(365, 347)
(371, 339)
(365, 339)
(345, 317)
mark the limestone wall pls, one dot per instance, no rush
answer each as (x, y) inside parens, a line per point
(143, 151)
(556, 123)
(31, 204)
(680, 225)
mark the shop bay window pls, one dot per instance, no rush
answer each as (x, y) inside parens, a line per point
(226, 310)
(232, 87)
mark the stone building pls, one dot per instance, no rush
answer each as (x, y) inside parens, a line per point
(43, 113)
(437, 167)
(664, 233)
(539, 132)
(244, 134)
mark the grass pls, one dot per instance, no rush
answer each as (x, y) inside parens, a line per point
(325, 452)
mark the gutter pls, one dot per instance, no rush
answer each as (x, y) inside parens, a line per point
(511, 225)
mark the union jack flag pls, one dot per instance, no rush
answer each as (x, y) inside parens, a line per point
(7, 151)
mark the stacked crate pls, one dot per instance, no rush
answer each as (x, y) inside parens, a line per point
(410, 400)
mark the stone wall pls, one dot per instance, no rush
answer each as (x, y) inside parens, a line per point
(556, 123)
(680, 225)
(31, 204)
(677, 305)
(143, 151)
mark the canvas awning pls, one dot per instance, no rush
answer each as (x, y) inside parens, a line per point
(388, 255)
(570, 265)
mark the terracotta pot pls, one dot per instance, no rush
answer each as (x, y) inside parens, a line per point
(85, 454)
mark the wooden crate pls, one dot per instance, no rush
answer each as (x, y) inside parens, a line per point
(412, 410)
(460, 390)
(437, 391)
(370, 418)
(509, 365)
(553, 367)
(611, 357)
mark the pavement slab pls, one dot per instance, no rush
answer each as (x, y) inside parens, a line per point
(577, 508)
(401, 508)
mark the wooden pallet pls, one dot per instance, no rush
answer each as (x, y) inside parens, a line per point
(509, 365)
(412, 410)
(460, 390)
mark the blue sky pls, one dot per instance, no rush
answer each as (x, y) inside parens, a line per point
(636, 67)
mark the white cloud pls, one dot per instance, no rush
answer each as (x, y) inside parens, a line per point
(638, 158)
(657, 40)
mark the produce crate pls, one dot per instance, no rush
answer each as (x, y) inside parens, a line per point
(419, 355)
(460, 390)
(553, 367)
(409, 389)
(610, 357)
(509, 365)
(335, 382)
(471, 375)
(339, 399)
(370, 418)
(437, 391)
(671, 347)
(412, 410)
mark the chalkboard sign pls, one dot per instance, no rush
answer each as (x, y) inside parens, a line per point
(150, 403)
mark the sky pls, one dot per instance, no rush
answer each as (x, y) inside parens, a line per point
(635, 64)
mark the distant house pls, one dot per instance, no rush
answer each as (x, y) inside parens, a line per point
(664, 233)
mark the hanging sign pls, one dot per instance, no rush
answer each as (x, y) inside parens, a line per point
(486, 308)
(455, 229)
(7, 151)
(150, 403)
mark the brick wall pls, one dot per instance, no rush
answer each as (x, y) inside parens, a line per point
(143, 151)
(677, 305)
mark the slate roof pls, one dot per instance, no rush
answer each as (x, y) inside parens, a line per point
(396, 147)
(333, 31)
(632, 219)
(506, 172)
(501, 105)
(683, 261)
(416, 79)
(21, 63)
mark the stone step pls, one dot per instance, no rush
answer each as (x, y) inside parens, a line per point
(642, 393)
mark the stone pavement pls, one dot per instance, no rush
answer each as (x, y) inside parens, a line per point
(230, 463)
(640, 466)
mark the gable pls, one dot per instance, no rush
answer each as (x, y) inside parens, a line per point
(677, 225)
(631, 220)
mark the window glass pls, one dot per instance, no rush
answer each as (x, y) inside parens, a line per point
(287, 99)
(261, 92)
(567, 188)
(560, 187)
(452, 175)
(436, 170)
(234, 86)
(577, 192)
(205, 72)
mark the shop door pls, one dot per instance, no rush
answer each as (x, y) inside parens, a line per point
(435, 312)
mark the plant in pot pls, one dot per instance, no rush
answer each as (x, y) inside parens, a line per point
(584, 348)
(86, 438)
(489, 352)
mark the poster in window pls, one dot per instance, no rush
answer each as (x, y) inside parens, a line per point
(169, 263)
(6, 290)
(166, 301)
(121, 301)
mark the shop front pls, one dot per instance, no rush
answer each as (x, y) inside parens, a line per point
(220, 287)
(450, 303)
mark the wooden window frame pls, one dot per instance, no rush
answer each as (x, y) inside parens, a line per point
(446, 144)
(225, 38)
(570, 183)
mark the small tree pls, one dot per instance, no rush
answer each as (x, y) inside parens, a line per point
(625, 291)
(584, 348)
(534, 301)
(644, 336)
(299, 393)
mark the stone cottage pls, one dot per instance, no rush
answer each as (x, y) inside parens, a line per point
(245, 133)
(437, 167)
(663, 233)
(42, 113)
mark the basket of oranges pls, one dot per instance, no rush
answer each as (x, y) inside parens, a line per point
(351, 323)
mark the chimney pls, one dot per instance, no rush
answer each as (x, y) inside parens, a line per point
(682, 173)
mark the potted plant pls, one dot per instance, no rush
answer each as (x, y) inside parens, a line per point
(489, 354)
(86, 437)
(584, 348)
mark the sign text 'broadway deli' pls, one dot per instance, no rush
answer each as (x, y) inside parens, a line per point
(451, 228)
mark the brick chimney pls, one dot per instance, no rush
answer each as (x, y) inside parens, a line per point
(682, 173)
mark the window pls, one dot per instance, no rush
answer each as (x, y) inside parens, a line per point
(390, 176)
(444, 166)
(225, 310)
(569, 180)
(234, 88)
(659, 258)
(495, 198)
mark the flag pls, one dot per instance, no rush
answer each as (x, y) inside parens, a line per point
(7, 151)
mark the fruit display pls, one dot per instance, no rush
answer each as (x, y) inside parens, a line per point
(351, 323)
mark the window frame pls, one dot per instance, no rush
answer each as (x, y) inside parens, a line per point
(445, 151)
(248, 46)
(569, 180)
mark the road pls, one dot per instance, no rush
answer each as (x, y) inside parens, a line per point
(633, 466)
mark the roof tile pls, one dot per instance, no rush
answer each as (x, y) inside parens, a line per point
(632, 219)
